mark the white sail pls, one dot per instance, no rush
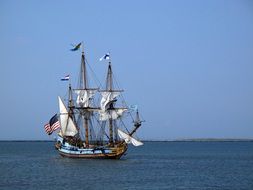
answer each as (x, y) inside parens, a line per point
(124, 136)
(83, 97)
(107, 97)
(128, 139)
(67, 125)
(136, 142)
(111, 114)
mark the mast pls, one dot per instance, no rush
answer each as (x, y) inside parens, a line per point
(70, 102)
(71, 106)
(84, 96)
(108, 111)
(86, 126)
(83, 85)
(137, 123)
(83, 72)
(109, 85)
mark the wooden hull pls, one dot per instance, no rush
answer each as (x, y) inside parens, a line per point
(94, 153)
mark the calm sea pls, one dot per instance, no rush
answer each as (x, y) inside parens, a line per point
(156, 165)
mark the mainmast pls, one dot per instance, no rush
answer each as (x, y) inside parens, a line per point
(84, 95)
(86, 115)
(84, 86)
(83, 82)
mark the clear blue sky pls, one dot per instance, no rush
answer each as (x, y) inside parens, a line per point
(187, 64)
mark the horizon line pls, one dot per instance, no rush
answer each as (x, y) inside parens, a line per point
(157, 140)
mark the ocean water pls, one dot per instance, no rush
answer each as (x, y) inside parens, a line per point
(156, 165)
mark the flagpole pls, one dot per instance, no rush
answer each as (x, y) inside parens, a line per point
(109, 57)
(82, 47)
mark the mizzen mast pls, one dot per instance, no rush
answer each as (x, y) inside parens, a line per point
(109, 84)
(108, 110)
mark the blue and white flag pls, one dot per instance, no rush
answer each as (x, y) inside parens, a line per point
(65, 78)
(106, 56)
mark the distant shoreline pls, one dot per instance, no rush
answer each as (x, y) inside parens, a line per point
(174, 140)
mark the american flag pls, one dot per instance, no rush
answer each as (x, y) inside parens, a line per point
(53, 125)
(48, 129)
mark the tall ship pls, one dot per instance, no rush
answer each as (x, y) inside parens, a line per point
(94, 121)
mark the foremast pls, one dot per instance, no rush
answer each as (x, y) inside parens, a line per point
(71, 105)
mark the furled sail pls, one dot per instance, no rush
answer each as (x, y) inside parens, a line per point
(83, 97)
(111, 114)
(107, 98)
(128, 139)
(68, 127)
